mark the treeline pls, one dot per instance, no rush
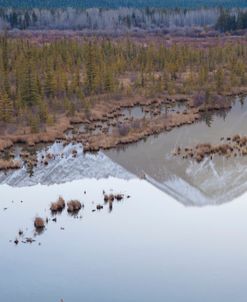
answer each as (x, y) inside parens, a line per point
(120, 20)
(231, 20)
(123, 20)
(38, 82)
(122, 3)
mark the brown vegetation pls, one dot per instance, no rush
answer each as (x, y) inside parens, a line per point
(9, 164)
(58, 206)
(129, 131)
(39, 223)
(25, 136)
(234, 146)
(109, 199)
(99, 207)
(74, 206)
(147, 128)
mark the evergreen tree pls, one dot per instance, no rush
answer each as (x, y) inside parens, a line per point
(91, 70)
(6, 108)
(29, 89)
(5, 62)
(50, 84)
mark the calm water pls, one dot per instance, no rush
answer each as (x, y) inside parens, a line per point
(148, 248)
(213, 181)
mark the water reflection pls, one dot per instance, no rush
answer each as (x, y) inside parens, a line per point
(150, 247)
(215, 181)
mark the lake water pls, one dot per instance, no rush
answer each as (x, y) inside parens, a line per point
(149, 247)
(209, 182)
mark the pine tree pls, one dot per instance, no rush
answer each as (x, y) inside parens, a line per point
(29, 89)
(91, 71)
(6, 108)
(5, 62)
(43, 111)
(50, 84)
(34, 123)
(108, 79)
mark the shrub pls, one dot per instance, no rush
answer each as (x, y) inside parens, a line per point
(74, 206)
(58, 206)
(39, 223)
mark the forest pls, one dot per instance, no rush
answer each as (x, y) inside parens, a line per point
(124, 20)
(40, 81)
(230, 21)
(122, 3)
(120, 20)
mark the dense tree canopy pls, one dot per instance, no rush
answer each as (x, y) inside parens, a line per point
(122, 3)
(110, 20)
(123, 19)
(230, 21)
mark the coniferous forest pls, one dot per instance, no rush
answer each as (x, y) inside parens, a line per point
(125, 20)
(40, 81)
(122, 3)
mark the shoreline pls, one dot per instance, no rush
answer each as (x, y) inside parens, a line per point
(105, 115)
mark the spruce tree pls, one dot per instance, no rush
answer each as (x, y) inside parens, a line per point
(29, 89)
(50, 84)
(91, 72)
(5, 62)
(6, 108)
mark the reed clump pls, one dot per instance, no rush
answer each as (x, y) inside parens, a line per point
(58, 206)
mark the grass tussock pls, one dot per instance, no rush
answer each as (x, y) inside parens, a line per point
(58, 206)
(39, 223)
(74, 206)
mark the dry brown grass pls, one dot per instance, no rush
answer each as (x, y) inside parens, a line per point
(9, 164)
(109, 197)
(58, 206)
(50, 134)
(39, 223)
(234, 146)
(74, 206)
(156, 125)
(5, 143)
